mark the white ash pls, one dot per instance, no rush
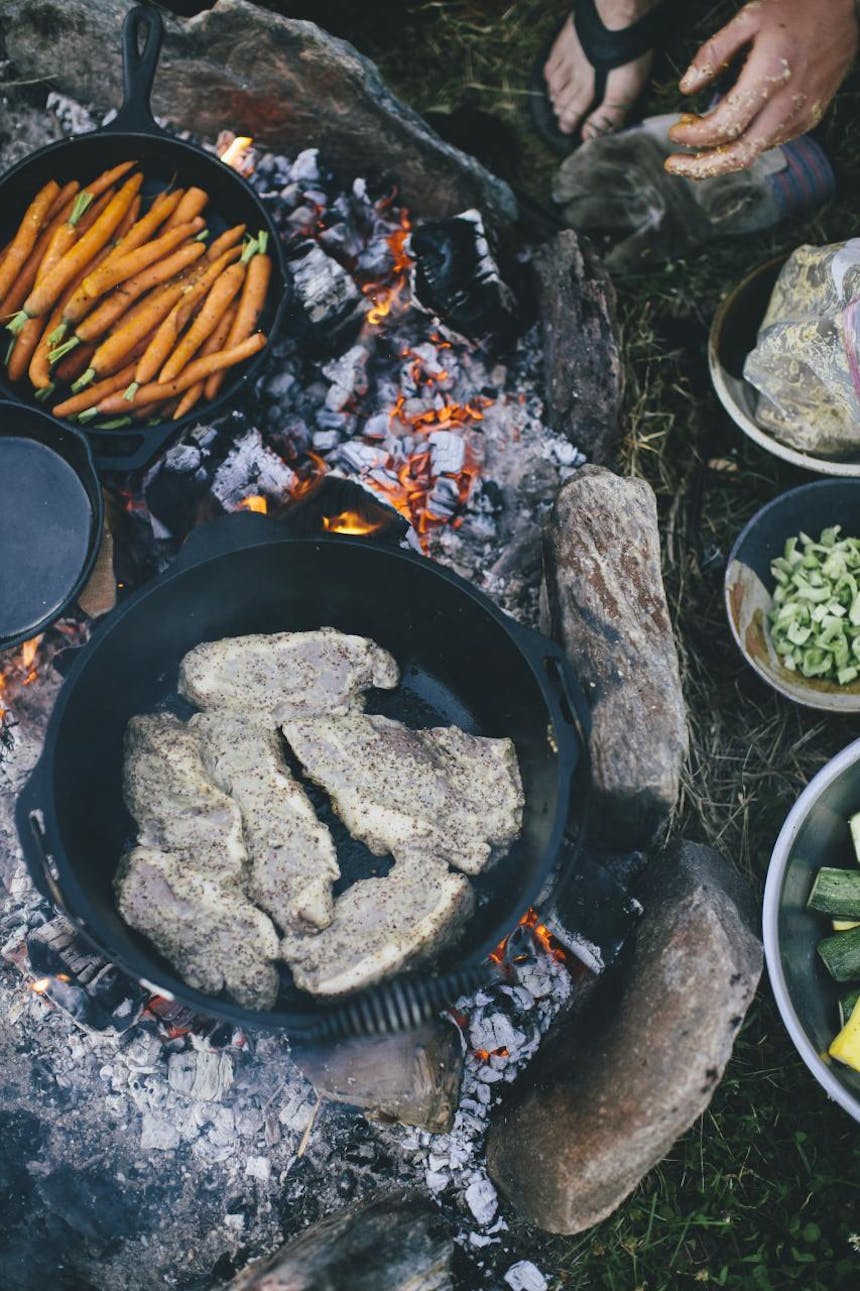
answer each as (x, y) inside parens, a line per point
(251, 467)
(524, 1276)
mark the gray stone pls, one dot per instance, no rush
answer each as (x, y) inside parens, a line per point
(412, 1077)
(607, 607)
(583, 381)
(393, 1242)
(569, 1151)
(283, 81)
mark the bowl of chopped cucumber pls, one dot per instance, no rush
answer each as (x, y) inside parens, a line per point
(811, 926)
(792, 592)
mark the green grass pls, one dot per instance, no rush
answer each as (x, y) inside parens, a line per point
(763, 1191)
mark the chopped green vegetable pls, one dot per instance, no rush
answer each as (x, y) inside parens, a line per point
(815, 616)
(847, 1003)
(841, 955)
(836, 892)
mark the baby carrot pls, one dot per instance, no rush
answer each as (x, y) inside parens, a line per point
(163, 205)
(112, 309)
(251, 304)
(108, 178)
(196, 371)
(212, 345)
(78, 257)
(117, 270)
(229, 238)
(199, 282)
(20, 289)
(89, 398)
(193, 202)
(64, 235)
(45, 355)
(22, 351)
(220, 296)
(124, 338)
(60, 201)
(28, 231)
(73, 364)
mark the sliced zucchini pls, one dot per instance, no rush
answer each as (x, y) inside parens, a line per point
(846, 1005)
(836, 892)
(845, 925)
(841, 955)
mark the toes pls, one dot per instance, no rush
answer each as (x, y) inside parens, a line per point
(606, 119)
(570, 114)
(557, 79)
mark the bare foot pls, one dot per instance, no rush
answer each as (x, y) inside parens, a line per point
(570, 76)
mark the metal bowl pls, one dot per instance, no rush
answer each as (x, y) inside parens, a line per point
(815, 833)
(749, 584)
(733, 335)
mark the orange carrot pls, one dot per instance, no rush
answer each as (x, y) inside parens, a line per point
(229, 238)
(95, 211)
(124, 338)
(112, 309)
(24, 282)
(163, 205)
(71, 367)
(200, 280)
(220, 295)
(117, 270)
(25, 238)
(65, 234)
(191, 397)
(79, 256)
(108, 178)
(251, 304)
(40, 364)
(89, 398)
(193, 202)
(196, 371)
(22, 351)
(60, 201)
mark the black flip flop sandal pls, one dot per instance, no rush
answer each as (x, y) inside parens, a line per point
(604, 49)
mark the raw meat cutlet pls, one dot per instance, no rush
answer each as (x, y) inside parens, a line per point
(451, 794)
(292, 857)
(381, 926)
(175, 804)
(285, 674)
(211, 934)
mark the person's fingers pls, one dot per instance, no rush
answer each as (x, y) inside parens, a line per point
(764, 76)
(777, 123)
(717, 53)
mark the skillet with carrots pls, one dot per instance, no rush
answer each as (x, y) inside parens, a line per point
(116, 308)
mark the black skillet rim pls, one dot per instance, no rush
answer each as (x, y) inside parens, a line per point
(526, 642)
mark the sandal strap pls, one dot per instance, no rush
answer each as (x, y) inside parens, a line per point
(607, 49)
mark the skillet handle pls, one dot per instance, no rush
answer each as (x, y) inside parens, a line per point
(33, 837)
(138, 71)
(567, 703)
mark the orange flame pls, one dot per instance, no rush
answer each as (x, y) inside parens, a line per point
(386, 297)
(350, 522)
(542, 935)
(21, 670)
(42, 984)
(232, 149)
(254, 503)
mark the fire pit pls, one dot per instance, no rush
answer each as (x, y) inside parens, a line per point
(404, 402)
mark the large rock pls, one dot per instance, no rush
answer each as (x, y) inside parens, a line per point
(607, 607)
(572, 1148)
(284, 81)
(583, 373)
(396, 1242)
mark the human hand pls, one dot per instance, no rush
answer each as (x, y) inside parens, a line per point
(800, 52)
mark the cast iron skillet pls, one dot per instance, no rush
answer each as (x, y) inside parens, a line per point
(50, 523)
(462, 661)
(134, 134)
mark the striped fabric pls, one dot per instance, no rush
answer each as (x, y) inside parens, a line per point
(807, 179)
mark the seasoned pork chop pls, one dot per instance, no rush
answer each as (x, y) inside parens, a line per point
(451, 794)
(175, 804)
(285, 674)
(381, 926)
(211, 934)
(293, 861)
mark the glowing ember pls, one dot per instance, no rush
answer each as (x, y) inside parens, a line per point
(385, 297)
(20, 670)
(235, 152)
(43, 984)
(541, 934)
(254, 503)
(350, 522)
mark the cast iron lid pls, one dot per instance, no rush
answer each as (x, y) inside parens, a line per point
(50, 520)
